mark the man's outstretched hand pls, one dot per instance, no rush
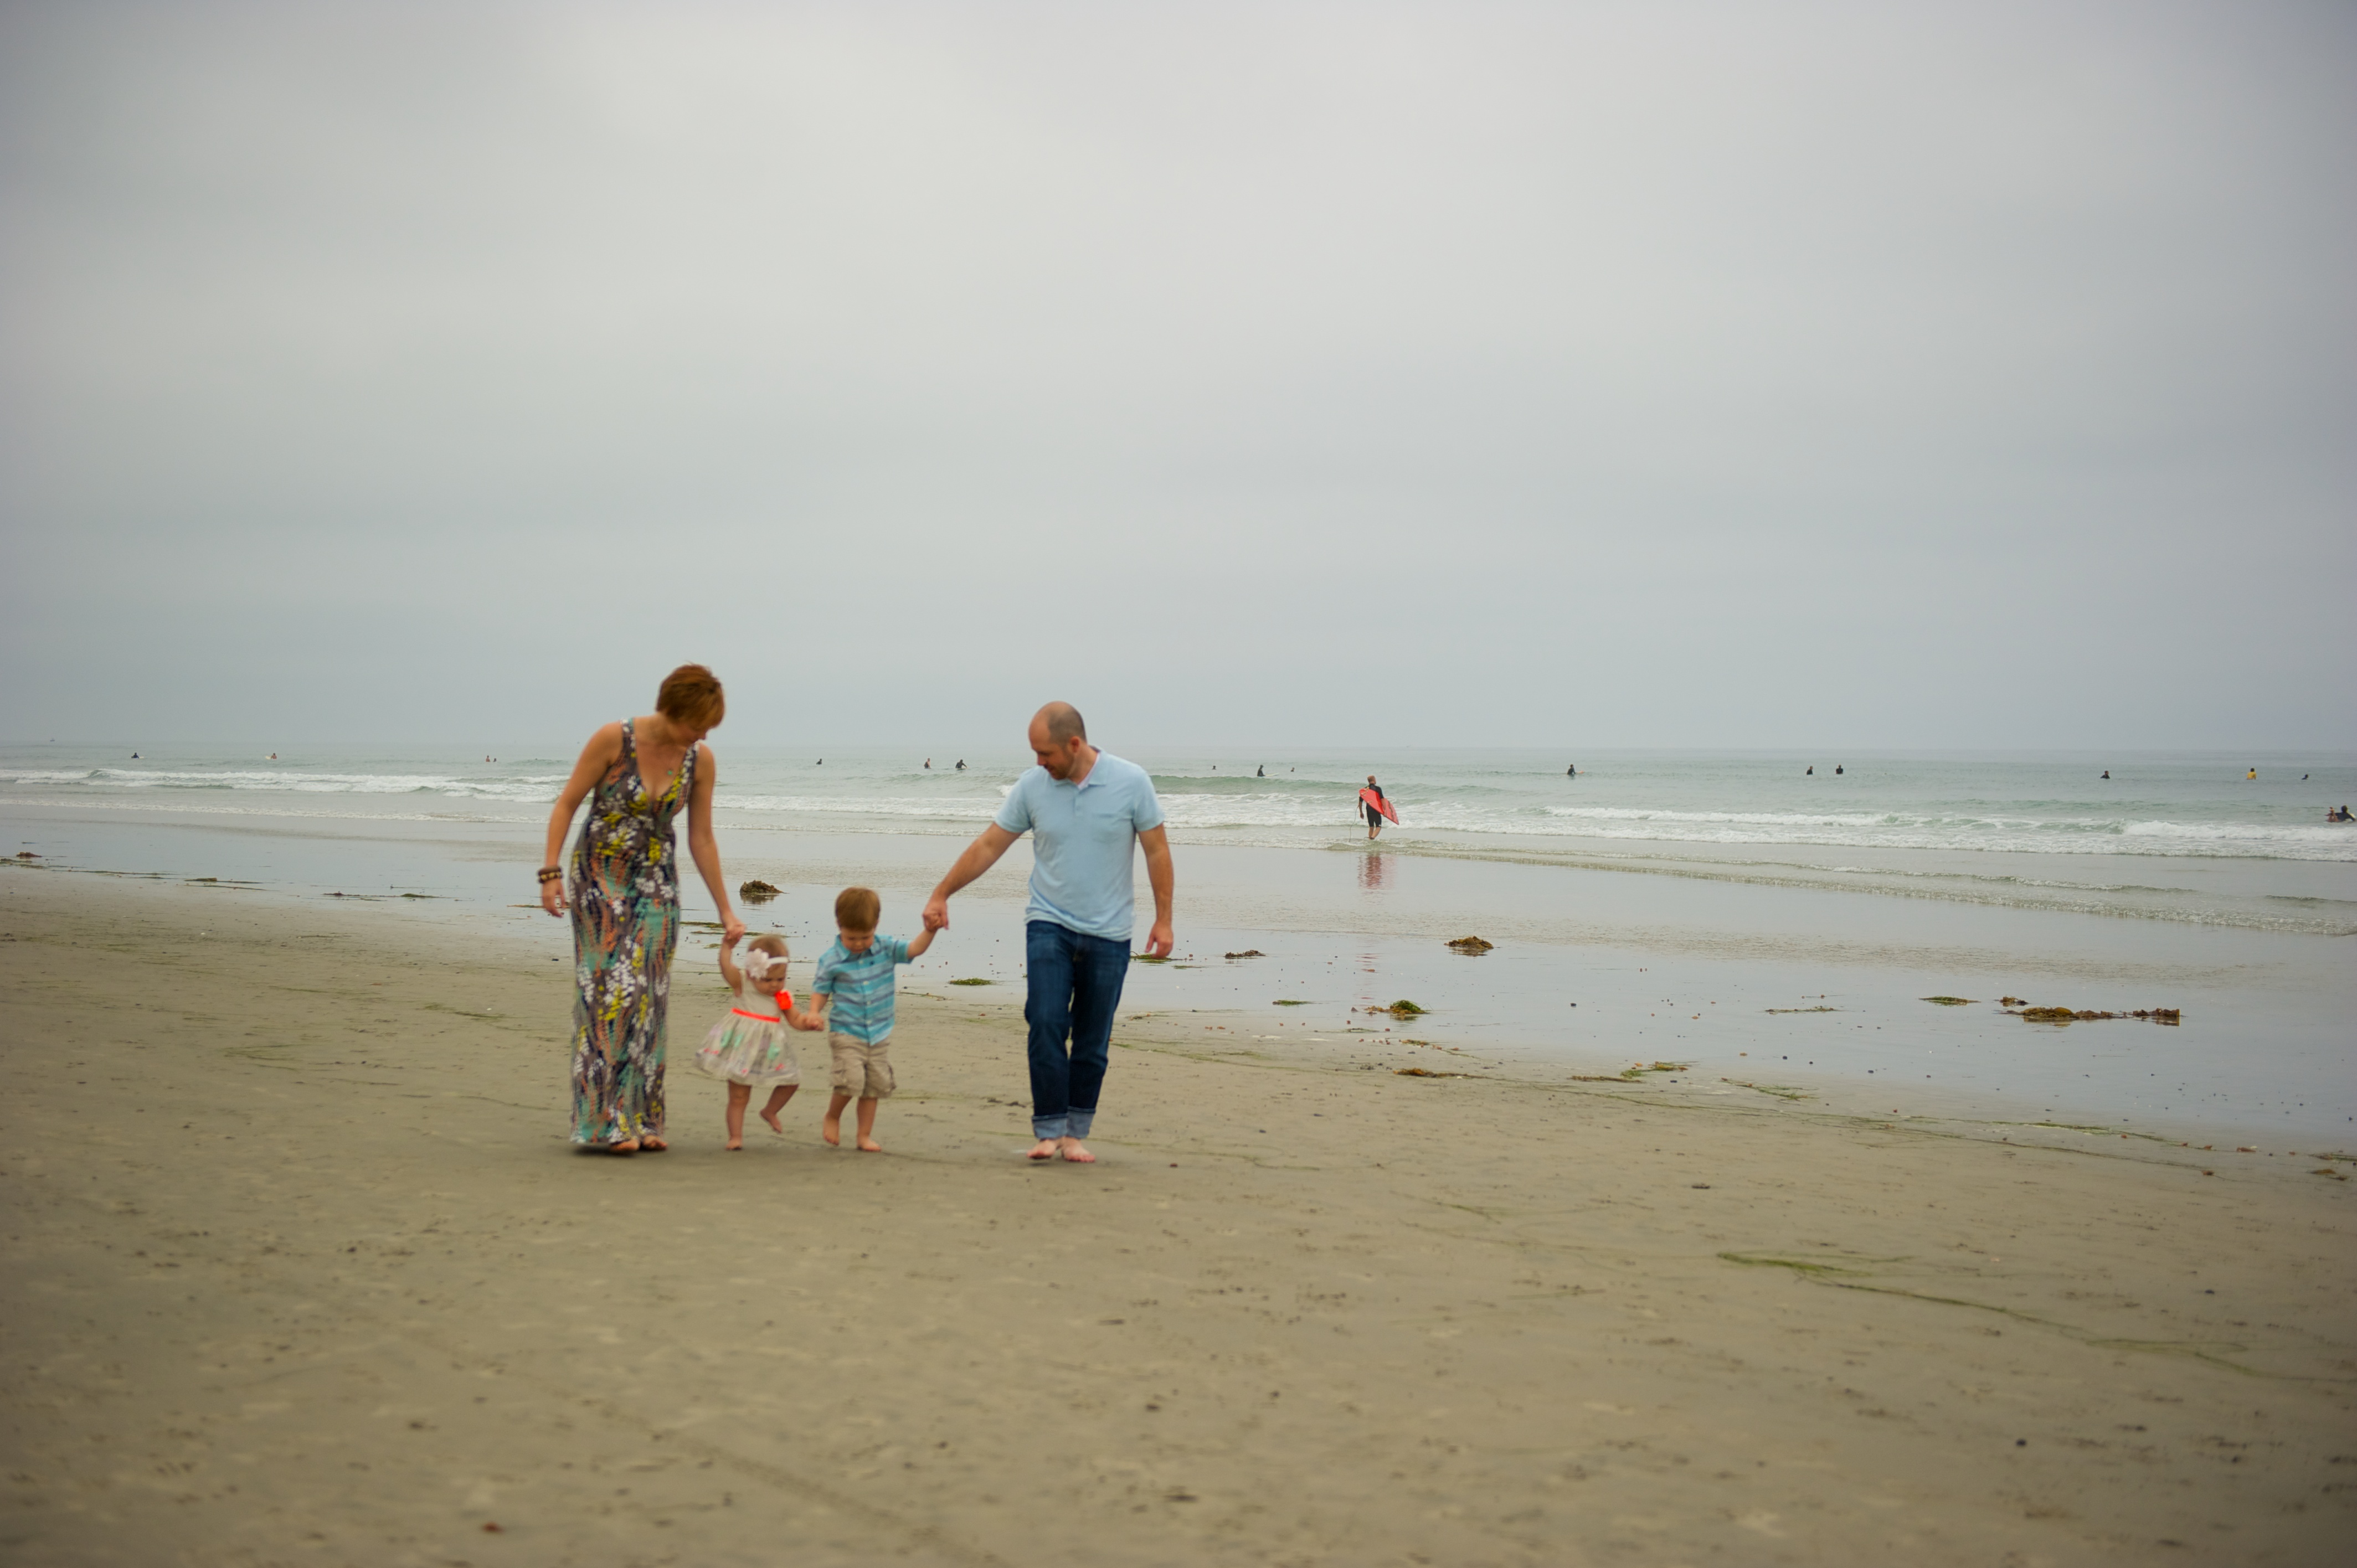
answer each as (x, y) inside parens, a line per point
(1159, 941)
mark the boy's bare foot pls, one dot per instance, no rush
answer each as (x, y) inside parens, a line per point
(1073, 1150)
(870, 1147)
(832, 1131)
(771, 1118)
(1045, 1149)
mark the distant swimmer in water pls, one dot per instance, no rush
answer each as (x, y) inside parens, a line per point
(961, 766)
(1812, 773)
(2108, 773)
(2254, 773)
(1837, 770)
(135, 757)
(1261, 772)
(1572, 771)
(2338, 816)
(929, 762)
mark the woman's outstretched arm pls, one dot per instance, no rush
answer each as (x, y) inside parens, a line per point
(704, 847)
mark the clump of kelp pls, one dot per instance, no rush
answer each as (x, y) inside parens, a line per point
(1949, 1001)
(976, 980)
(1634, 1073)
(756, 891)
(1402, 1008)
(1472, 945)
(1248, 952)
(2061, 1015)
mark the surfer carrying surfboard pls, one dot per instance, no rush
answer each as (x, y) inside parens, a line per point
(1377, 809)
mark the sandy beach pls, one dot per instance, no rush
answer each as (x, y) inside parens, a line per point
(304, 1271)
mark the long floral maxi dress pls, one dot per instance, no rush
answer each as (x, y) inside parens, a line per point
(625, 928)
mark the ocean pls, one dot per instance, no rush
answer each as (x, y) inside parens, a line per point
(1648, 880)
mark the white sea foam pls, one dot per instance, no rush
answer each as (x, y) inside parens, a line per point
(2175, 809)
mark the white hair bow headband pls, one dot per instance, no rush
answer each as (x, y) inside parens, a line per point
(759, 965)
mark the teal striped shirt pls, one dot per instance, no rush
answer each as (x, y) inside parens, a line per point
(861, 984)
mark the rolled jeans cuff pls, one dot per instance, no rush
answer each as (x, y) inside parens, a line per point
(1074, 1124)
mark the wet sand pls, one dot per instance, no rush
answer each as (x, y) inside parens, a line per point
(304, 1271)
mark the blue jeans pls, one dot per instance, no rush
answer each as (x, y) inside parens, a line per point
(1075, 985)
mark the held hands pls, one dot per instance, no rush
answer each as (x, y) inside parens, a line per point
(729, 938)
(732, 929)
(937, 913)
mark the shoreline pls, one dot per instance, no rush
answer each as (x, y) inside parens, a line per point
(1587, 959)
(305, 1265)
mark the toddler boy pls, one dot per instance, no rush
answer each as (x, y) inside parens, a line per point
(852, 995)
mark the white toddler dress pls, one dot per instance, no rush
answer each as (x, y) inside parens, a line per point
(754, 1044)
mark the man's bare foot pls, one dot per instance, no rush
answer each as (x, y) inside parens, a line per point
(1073, 1150)
(870, 1147)
(832, 1131)
(771, 1118)
(1045, 1149)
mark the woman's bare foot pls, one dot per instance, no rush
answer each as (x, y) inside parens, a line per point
(870, 1147)
(832, 1131)
(734, 1143)
(1076, 1152)
(653, 1145)
(1045, 1149)
(627, 1147)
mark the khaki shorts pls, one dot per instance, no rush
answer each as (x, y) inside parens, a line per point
(861, 1070)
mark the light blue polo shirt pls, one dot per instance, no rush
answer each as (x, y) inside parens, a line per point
(1083, 839)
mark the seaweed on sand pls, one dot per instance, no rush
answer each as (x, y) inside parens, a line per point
(2061, 1015)
(756, 891)
(1402, 1008)
(977, 980)
(1473, 945)
(1949, 1001)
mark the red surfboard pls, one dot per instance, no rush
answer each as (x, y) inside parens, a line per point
(1370, 798)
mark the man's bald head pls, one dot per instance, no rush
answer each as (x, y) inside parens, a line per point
(1059, 739)
(1062, 721)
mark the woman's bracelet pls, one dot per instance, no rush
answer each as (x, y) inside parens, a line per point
(551, 874)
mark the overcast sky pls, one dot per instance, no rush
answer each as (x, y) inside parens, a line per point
(1651, 374)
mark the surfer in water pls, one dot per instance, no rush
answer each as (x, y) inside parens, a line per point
(1377, 808)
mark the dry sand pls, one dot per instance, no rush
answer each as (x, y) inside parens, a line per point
(302, 1270)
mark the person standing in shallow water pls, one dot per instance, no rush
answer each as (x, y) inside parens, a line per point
(636, 775)
(1084, 809)
(1372, 812)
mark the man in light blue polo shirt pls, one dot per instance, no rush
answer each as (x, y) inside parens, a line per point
(1085, 809)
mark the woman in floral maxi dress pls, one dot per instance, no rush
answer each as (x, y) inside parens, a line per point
(636, 775)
